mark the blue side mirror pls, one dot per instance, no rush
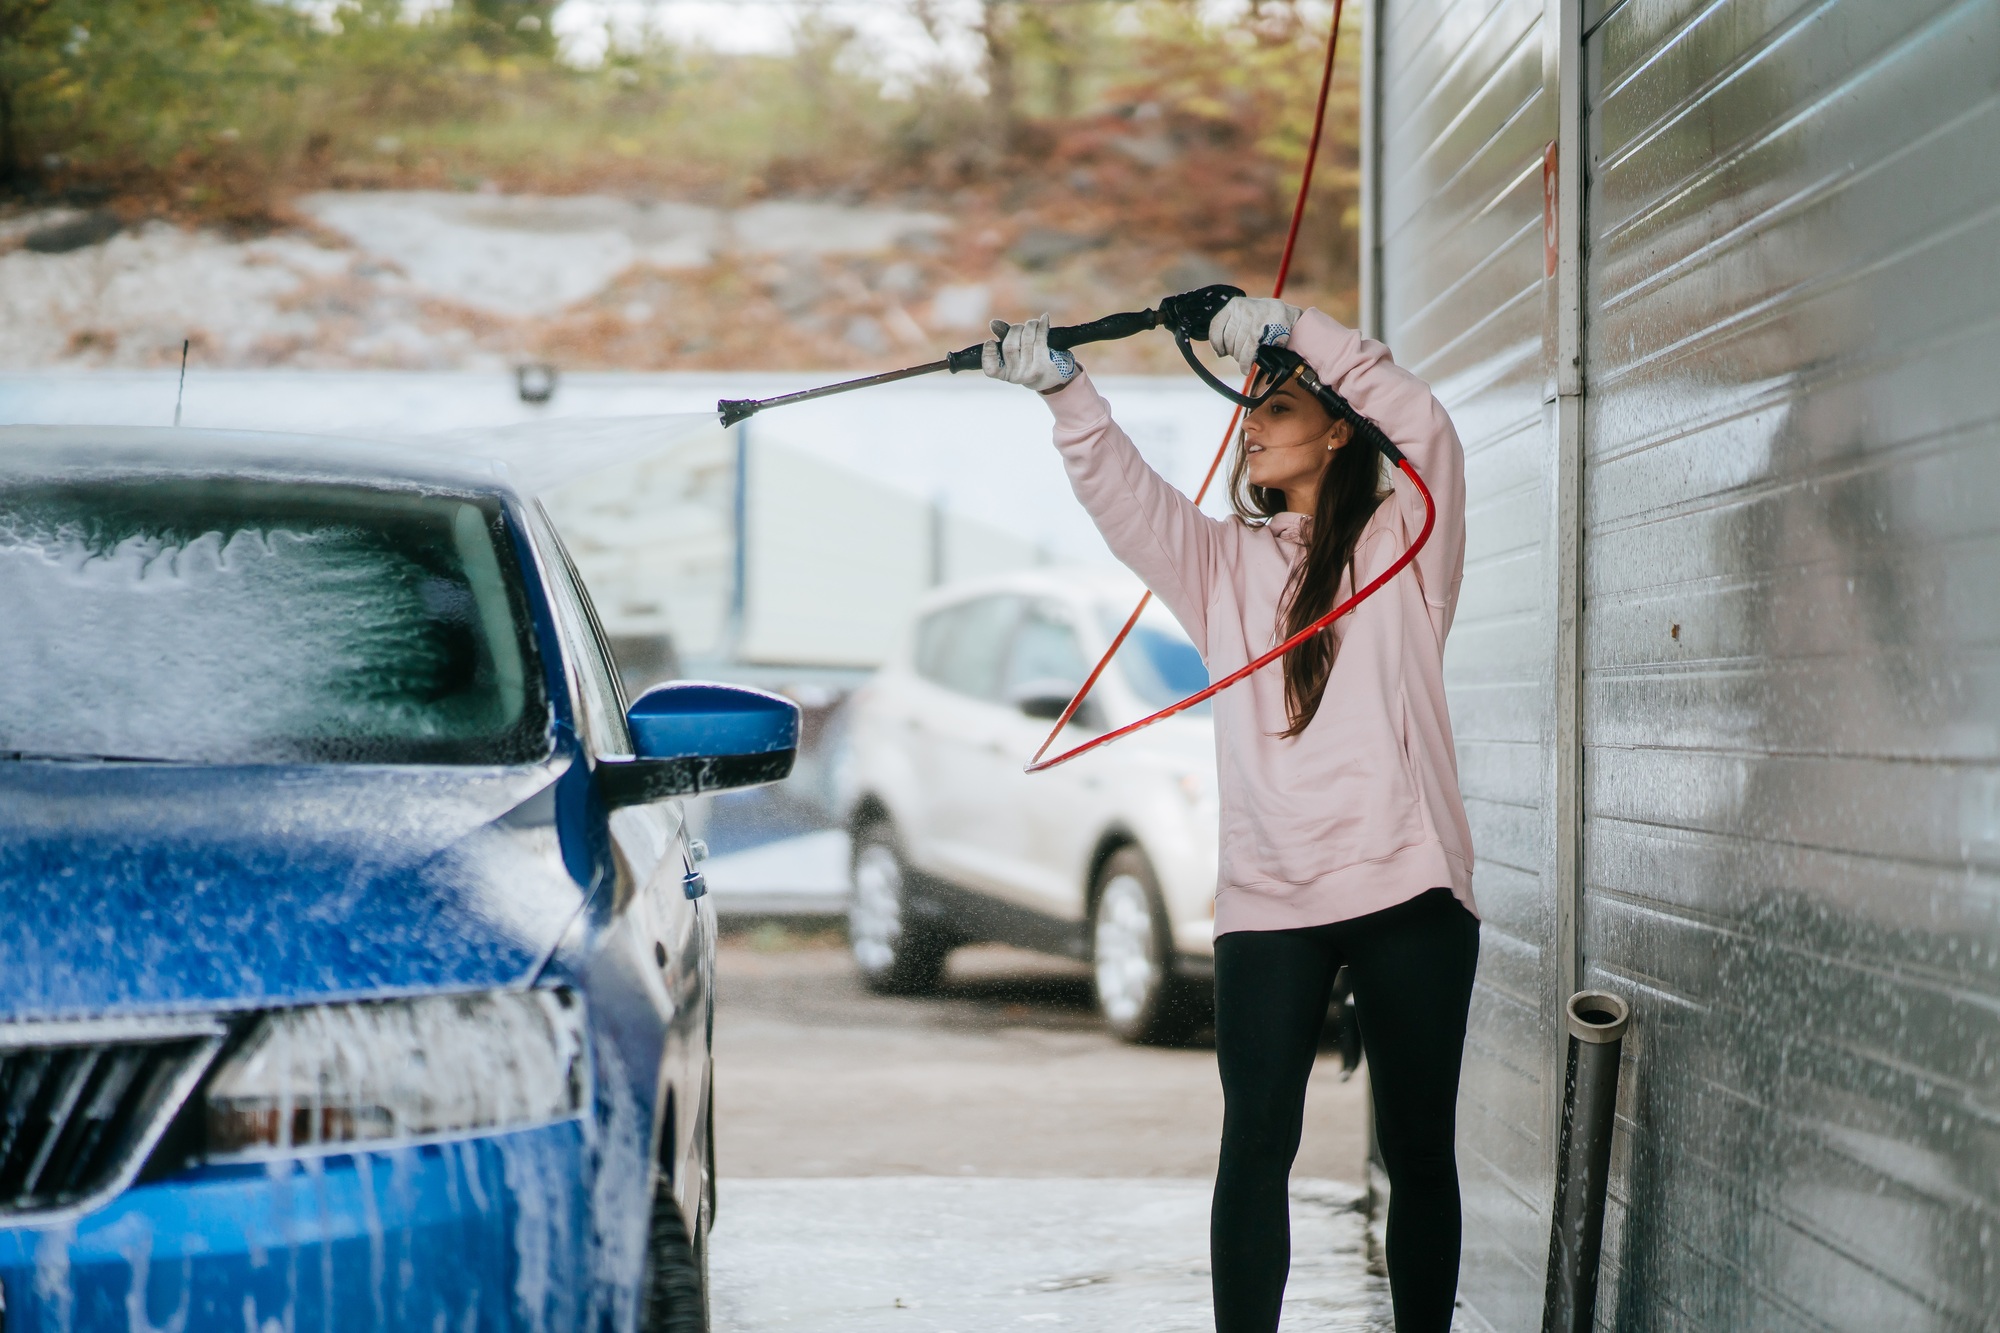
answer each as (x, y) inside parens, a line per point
(693, 737)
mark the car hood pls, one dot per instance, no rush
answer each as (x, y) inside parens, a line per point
(161, 888)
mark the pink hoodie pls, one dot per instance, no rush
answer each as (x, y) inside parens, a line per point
(1360, 811)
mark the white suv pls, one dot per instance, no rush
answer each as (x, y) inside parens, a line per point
(1109, 858)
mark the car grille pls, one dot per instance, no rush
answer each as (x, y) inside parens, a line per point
(81, 1104)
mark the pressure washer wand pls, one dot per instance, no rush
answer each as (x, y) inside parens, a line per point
(734, 410)
(1187, 314)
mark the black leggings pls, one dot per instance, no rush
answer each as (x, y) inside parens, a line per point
(1411, 969)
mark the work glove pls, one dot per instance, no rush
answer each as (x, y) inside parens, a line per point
(1020, 354)
(1249, 322)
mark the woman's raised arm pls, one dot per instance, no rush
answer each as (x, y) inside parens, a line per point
(1153, 529)
(1361, 371)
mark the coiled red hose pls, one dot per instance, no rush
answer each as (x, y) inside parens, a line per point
(1038, 763)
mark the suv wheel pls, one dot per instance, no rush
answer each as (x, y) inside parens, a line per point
(1132, 957)
(674, 1298)
(896, 954)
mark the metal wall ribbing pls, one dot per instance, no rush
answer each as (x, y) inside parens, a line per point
(1462, 110)
(1785, 477)
(1791, 693)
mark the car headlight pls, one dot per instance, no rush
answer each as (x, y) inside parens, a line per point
(335, 1074)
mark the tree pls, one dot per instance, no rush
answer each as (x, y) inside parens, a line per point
(21, 21)
(510, 27)
(999, 24)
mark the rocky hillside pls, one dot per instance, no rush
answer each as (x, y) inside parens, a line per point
(443, 193)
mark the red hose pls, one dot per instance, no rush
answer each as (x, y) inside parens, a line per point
(1037, 764)
(1430, 521)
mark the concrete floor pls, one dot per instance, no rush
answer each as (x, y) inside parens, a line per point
(934, 1255)
(1006, 1072)
(987, 1157)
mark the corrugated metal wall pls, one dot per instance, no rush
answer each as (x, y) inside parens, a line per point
(1463, 112)
(1790, 635)
(1791, 691)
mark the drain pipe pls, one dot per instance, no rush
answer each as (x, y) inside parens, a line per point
(1597, 1023)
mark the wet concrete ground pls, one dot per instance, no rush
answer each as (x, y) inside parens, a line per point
(936, 1255)
(988, 1157)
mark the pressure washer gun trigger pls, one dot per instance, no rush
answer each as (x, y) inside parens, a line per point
(1189, 314)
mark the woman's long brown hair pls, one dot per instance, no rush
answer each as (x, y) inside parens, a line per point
(1349, 494)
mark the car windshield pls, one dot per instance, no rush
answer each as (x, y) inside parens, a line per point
(1159, 663)
(248, 621)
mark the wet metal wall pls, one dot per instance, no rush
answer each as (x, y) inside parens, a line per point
(1791, 694)
(1766, 806)
(1461, 98)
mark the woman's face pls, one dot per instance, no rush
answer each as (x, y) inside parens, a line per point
(1289, 440)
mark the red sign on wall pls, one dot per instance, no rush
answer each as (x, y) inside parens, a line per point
(1551, 229)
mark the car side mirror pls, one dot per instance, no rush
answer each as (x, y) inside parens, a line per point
(694, 737)
(1044, 700)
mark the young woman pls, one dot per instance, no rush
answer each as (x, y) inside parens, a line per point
(1343, 837)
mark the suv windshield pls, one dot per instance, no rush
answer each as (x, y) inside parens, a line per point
(245, 621)
(1160, 665)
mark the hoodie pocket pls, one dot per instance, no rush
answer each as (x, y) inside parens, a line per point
(1412, 768)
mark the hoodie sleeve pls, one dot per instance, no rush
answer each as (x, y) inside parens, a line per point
(1151, 527)
(1361, 371)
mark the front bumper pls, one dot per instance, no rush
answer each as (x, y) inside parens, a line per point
(488, 1233)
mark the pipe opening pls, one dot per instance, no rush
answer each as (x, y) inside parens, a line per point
(1598, 1016)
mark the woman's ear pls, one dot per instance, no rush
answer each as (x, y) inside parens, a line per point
(1340, 435)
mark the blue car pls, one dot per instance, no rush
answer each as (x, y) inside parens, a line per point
(355, 971)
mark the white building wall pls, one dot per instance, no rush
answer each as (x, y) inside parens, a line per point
(655, 542)
(834, 562)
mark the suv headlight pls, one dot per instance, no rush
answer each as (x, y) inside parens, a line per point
(335, 1074)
